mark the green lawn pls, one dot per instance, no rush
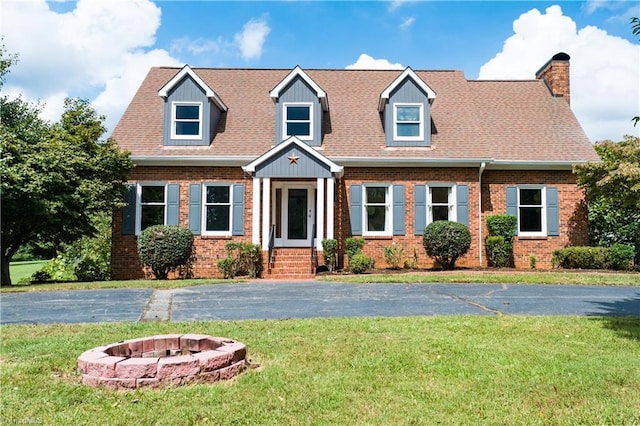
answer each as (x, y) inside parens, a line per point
(20, 270)
(378, 371)
(481, 276)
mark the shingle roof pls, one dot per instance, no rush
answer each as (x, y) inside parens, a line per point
(501, 120)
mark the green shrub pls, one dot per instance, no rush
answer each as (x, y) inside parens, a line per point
(499, 251)
(621, 256)
(352, 246)
(446, 241)
(242, 259)
(394, 255)
(165, 248)
(499, 243)
(581, 258)
(89, 268)
(329, 250)
(57, 269)
(502, 225)
(40, 276)
(532, 262)
(412, 263)
(360, 263)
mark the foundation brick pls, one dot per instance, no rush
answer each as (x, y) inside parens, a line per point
(117, 383)
(177, 366)
(104, 367)
(213, 360)
(238, 350)
(137, 368)
(232, 370)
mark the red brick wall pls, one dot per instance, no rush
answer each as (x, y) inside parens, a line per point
(572, 211)
(125, 263)
(573, 223)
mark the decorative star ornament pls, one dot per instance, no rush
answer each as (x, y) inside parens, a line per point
(293, 158)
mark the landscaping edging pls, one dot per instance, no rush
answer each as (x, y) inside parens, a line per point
(162, 360)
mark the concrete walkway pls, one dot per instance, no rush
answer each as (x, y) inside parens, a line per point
(276, 300)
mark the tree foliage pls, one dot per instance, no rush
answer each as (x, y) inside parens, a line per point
(55, 177)
(613, 193)
(635, 29)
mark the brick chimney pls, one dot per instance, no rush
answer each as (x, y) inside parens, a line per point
(555, 73)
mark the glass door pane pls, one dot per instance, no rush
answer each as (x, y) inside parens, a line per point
(297, 214)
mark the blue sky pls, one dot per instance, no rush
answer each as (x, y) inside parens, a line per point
(101, 50)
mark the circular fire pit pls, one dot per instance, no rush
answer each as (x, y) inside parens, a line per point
(163, 360)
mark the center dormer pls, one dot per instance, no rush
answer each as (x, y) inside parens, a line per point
(300, 106)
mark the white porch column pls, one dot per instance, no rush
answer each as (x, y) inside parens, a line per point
(255, 209)
(330, 206)
(266, 212)
(319, 213)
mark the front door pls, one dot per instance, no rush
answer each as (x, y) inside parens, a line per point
(294, 214)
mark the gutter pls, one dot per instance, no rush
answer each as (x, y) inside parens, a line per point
(482, 167)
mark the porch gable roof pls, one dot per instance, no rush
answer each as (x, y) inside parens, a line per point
(303, 152)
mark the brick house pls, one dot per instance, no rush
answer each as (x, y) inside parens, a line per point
(249, 154)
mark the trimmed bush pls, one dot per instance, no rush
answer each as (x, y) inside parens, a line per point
(581, 258)
(394, 255)
(446, 241)
(502, 225)
(165, 248)
(352, 246)
(621, 257)
(499, 251)
(242, 259)
(329, 250)
(360, 263)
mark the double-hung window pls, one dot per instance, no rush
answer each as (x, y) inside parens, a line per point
(532, 211)
(377, 210)
(186, 120)
(152, 205)
(298, 120)
(408, 122)
(441, 203)
(216, 212)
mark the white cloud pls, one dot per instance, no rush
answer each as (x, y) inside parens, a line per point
(394, 4)
(407, 23)
(366, 62)
(605, 70)
(97, 49)
(251, 39)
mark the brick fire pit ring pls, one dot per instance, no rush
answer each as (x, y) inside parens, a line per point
(163, 360)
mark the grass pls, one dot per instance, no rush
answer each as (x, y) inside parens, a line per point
(492, 277)
(24, 270)
(378, 371)
(156, 284)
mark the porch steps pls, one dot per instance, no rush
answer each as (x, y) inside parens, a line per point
(290, 263)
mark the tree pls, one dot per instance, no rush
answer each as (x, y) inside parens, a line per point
(55, 177)
(613, 193)
(635, 29)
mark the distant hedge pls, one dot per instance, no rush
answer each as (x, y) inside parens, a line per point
(617, 257)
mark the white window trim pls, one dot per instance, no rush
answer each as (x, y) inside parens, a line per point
(139, 203)
(453, 210)
(543, 212)
(420, 137)
(388, 217)
(204, 210)
(284, 120)
(173, 120)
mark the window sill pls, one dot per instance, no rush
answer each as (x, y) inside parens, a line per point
(533, 238)
(378, 237)
(215, 237)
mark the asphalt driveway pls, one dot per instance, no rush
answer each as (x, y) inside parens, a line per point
(277, 300)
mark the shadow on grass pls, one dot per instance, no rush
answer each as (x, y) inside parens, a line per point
(621, 316)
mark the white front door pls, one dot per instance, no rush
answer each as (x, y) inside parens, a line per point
(293, 213)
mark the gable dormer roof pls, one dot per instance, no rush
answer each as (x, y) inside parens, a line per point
(407, 73)
(187, 71)
(298, 72)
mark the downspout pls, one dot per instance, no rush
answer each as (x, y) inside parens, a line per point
(483, 165)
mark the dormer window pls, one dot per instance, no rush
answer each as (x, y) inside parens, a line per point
(298, 120)
(186, 120)
(408, 122)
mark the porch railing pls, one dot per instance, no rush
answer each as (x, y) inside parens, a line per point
(272, 236)
(314, 253)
